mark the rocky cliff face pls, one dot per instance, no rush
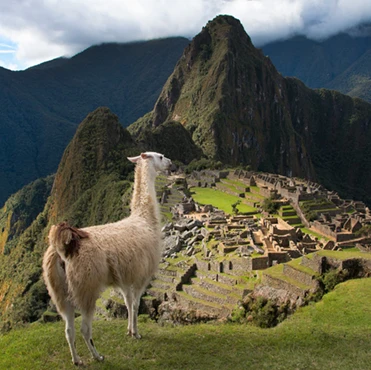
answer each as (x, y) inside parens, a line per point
(240, 110)
(233, 102)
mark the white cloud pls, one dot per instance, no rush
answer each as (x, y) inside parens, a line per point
(45, 29)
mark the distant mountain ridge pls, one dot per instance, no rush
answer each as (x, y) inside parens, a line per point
(42, 106)
(341, 62)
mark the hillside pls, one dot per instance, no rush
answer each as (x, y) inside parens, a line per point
(92, 186)
(240, 110)
(21, 209)
(341, 62)
(42, 106)
(331, 334)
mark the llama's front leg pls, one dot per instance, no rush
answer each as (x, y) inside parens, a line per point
(69, 317)
(86, 330)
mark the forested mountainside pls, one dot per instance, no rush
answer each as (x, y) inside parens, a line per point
(42, 106)
(341, 62)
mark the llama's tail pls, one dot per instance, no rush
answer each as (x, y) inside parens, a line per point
(66, 239)
(55, 279)
(64, 242)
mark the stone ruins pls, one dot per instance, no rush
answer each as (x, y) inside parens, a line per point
(212, 260)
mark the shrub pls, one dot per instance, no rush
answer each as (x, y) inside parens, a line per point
(234, 207)
(203, 164)
(260, 312)
(311, 216)
(331, 278)
(269, 205)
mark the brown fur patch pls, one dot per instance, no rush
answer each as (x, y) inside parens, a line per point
(76, 234)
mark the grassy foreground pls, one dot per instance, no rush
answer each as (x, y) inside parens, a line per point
(332, 334)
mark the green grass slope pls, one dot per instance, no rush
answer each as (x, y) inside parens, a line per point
(331, 334)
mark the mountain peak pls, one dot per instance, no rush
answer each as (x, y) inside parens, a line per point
(99, 147)
(222, 91)
(203, 62)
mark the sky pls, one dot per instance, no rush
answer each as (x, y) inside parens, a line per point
(34, 31)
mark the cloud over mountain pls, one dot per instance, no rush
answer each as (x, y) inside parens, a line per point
(45, 29)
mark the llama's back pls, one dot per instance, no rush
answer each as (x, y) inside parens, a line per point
(123, 253)
(132, 249)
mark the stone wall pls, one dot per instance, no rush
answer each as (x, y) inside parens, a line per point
(343, 237)
(324, 229)
(277, 257)
(259, 263)
(300, 276)
(292, 291)
(316, 263)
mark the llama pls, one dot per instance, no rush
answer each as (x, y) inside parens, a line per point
(80, 263)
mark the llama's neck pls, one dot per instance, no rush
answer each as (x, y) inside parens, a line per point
(144, 202)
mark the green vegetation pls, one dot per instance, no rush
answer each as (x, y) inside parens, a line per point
(235, 210)
(332, 278)
(270, 206)
(345, 254)
(331, 334)
(203, 164)
(330, 64)
(312, 208)
(219, 199)
(313, 233)
(365, 230)
(21, 209)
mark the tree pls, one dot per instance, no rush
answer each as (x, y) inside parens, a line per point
(269, 205)
(234, 207)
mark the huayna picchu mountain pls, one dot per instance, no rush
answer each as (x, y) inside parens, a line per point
(240, 110)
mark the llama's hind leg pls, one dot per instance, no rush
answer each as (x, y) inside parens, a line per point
(128, 296)
(69, 317)
(137, 293)
(86, 331)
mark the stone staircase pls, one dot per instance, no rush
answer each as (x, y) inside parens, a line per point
(205, 292)
(164, 282)
(210, 294)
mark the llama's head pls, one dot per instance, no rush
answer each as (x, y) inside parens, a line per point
(159, 161)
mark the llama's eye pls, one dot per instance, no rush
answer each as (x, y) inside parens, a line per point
(161, 157)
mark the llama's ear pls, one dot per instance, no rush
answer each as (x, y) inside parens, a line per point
(145, 156)
(134, 159)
